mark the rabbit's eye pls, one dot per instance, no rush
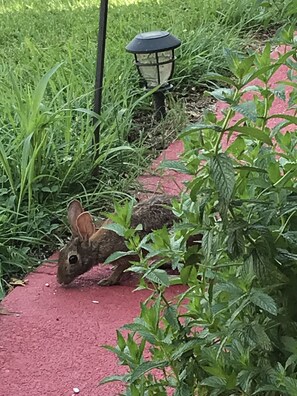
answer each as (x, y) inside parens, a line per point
(73, 259)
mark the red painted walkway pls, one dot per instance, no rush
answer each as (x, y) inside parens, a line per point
(52, 344)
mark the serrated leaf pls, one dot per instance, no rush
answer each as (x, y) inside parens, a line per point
(250, 169)
(219, 77)
(232, 59)
(207, 243)
(235, 244)
(291, 236)
(117, 228)
(261, 337)
(223, 94)
(199, 127)
(222, 171)
(292, 360)
(187, 273)
(214, 382)
(141, 330)
(292, 119)
(290, 344)
(280, 92)
(274, 171)
(248, 109)
(174, 165)
(158, 276)
(120, 341)
(291, 385)
(237, 147)
(253, 133)
(170, 315)
(263, 301)
(113, 378)
(117, 255)
(145, 367)
(185, 348)
(183, 390)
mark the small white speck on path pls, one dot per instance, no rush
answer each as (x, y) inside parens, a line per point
(46, 285)
(75, 390)
(95, 302)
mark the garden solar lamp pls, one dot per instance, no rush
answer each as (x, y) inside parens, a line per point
(154, 59)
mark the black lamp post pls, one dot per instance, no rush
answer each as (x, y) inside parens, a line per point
(154, 59)
(99, 71)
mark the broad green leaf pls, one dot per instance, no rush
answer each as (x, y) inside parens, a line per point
(291, 236)
(292, 119)
(199, 127)
(117, 255)
(219, 77)
(248, 109)
(187, 273)
(120, 341)
(142, 330)
(292, 360)
(170, 315)
(188, 346)
(237, 147)
(214, 370)
(207, 243)
(253, 133)
(235, 244)
(274, 171)
(147, 366)
(174, 165)
(280, 92)
(183, 389)
(291, 385)
(290, 344)
(158, 276)
(263, 301)
(223, 94)
(261, 337)
(250, 169)
(287, 177)
(233, 59)
(214, 382)
(117, 228)
(222, 172)
(113, 378)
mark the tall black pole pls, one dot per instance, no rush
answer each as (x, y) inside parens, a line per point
(99, 71)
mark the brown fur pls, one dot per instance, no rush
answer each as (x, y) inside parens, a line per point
(89, 247)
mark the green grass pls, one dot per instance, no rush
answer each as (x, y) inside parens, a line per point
(47, 67)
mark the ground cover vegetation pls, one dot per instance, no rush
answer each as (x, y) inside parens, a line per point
(233, 330)
(47, 52)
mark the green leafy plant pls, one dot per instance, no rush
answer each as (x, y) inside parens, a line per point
(233, 328)
(46, 157)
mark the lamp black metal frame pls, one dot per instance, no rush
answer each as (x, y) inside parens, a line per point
(155, 43)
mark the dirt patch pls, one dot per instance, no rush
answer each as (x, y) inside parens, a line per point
(183, 108)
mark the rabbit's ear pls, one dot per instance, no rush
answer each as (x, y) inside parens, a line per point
(74, 210)
(85, 226)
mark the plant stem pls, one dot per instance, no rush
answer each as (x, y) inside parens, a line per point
(225, 123)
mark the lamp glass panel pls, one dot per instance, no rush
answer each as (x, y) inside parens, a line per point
(149, 70)
(166, 69)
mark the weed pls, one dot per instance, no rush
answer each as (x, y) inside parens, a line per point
(233, 329)
(47, 53)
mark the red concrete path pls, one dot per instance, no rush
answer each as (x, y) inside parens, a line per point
(53, 344)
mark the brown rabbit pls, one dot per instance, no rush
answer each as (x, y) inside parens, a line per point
(89, 247)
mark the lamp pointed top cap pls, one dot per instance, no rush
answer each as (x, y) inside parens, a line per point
(150, 42)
